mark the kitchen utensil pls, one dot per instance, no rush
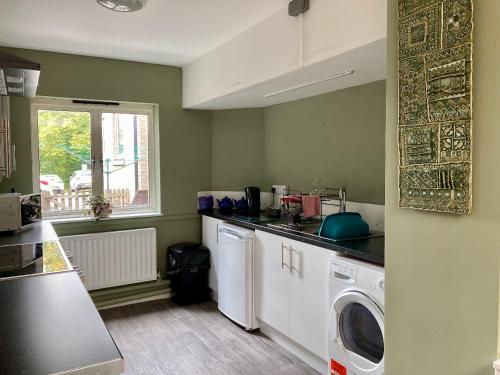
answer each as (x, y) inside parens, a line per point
(344, 225)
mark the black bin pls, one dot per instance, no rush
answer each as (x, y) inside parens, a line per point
(187, 268)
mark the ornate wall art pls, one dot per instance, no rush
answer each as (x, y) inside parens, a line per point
(435, 105)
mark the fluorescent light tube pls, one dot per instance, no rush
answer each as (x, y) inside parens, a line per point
(310, 83)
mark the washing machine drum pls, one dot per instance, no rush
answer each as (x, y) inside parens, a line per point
(356, 335)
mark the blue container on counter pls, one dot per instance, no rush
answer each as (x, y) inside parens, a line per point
(241, 205)
(205, 203)
(225, 204)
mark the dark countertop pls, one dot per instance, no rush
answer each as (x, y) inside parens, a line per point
(49, 322)
(368, 249)
(50, 325)
(39, 232)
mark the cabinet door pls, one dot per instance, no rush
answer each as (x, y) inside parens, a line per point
(210, 238)
(272, 281)
(309, 297)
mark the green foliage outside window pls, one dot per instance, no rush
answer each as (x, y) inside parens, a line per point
(64, 142)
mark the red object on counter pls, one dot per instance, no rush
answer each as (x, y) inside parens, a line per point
(287, 199)
(311, 204)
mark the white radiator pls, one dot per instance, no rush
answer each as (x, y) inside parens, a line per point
(114, 258)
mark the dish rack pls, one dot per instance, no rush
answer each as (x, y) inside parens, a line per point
(329, 196)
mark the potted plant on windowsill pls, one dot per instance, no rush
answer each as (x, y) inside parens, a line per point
(99, 207)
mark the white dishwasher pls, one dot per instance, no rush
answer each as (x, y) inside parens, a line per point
(236, 265)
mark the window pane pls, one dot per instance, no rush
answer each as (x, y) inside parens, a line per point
(361, 333)
(65, 159)
(125, 159)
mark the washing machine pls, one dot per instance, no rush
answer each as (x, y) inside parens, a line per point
(356, 323)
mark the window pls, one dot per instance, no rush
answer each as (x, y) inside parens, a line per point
(87, 148)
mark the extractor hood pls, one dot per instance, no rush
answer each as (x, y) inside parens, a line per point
(18, 76)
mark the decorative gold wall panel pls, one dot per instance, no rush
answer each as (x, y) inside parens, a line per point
(435, 105)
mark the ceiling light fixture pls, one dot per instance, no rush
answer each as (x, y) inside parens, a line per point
(310, 83)
(123, 5)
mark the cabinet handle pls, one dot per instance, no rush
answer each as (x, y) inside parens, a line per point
(292, 267)
(13, 156)
(283, 264)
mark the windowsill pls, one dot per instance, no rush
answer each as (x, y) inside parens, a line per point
(79, 219)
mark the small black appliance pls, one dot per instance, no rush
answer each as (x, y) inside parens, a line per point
(253, 199)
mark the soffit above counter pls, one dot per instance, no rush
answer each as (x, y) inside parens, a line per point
(287, 58)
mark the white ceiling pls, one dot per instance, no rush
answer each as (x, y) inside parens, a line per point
(165, 32)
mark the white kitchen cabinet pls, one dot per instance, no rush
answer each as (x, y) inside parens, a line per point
(272, 281)
(291, 289)
(210, 238)
(309, 283)
(7, 162)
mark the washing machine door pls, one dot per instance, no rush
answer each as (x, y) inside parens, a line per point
(357, 333)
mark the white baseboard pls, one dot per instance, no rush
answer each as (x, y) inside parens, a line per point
(139, 300)
(305, 355)
(496, 366)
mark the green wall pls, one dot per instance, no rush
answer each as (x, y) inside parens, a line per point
(185, 147)
(237, 149)
(338, 136)
(442, 271)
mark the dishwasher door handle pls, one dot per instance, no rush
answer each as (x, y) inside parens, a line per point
(231, 234)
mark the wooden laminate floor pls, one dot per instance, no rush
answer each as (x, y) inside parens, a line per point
(159, 337)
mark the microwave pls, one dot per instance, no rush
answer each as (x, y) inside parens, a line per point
(18, 212)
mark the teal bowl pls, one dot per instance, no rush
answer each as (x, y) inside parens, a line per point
(344, 225)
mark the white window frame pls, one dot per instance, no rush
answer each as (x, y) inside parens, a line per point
(96, 110)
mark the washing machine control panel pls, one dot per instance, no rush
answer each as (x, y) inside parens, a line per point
(343, 273)
(366, 276)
